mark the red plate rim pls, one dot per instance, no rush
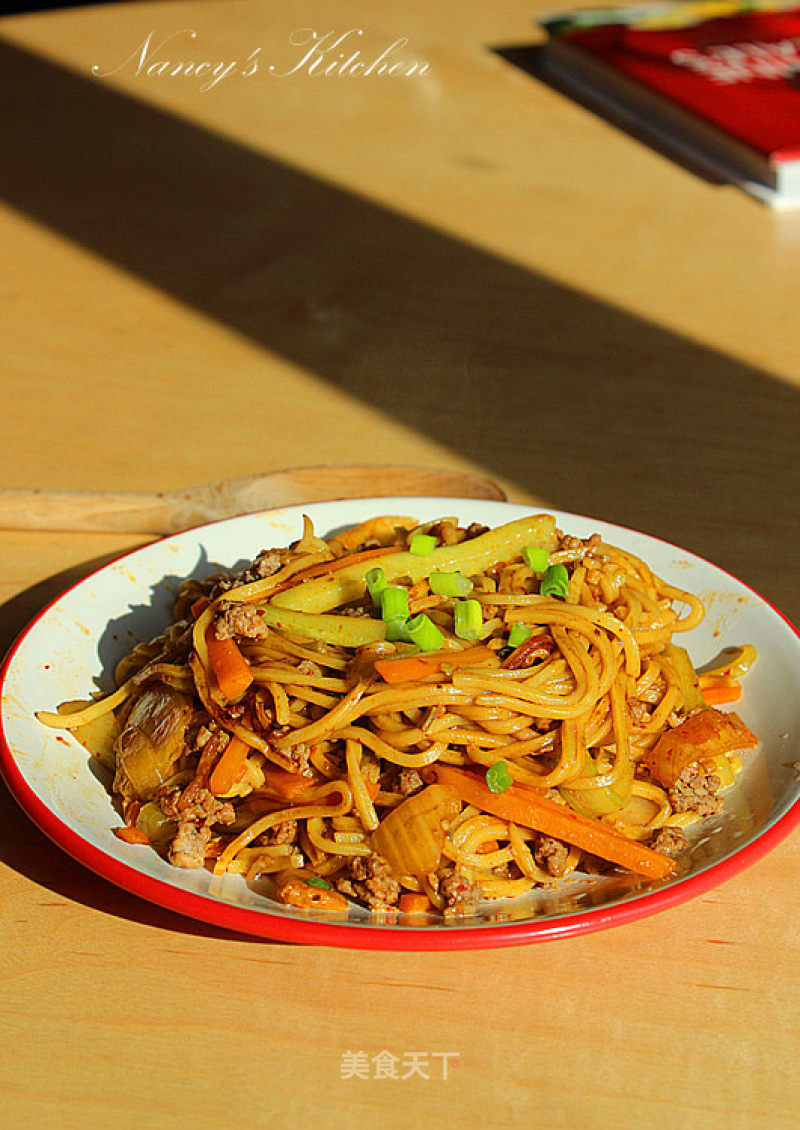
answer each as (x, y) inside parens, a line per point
(272, 927)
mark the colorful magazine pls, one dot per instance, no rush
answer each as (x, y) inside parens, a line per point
(718, 82)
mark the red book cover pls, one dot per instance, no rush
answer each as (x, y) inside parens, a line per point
(739, 72)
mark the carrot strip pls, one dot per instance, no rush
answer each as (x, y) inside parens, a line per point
(286, 785)
(407, 669)
(230, 667)
(716, 694)
(412, 903)
(131, 835)
(229, 769)
(533, 809)
(199, 606)
(326, 567)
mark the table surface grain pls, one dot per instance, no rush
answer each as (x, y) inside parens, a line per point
(460, 268)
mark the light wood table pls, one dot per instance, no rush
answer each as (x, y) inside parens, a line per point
(461, 267)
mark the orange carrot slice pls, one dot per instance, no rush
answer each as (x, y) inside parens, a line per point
(229, 770)
(718, 693)
(411, 668)
(131, 835)
(326, 567)
(406, 669)
(534, 809)
(231, 669)
(286, 785)
(413, 903)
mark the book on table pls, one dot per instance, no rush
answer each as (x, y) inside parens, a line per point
(714, 82)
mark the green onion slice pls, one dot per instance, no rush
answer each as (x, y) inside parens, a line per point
(396, 631)
(423, 632)
(422, 545)
(450, 584)
(555, 581)
(468, 619)
(394, 603)
(315, 881)
(535, 558)
(498, 778)
(376, 583)
(518, 634)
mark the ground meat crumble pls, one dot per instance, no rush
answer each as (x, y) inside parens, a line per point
(240, 620)
(409, 781)
(369, 880)
(670, 841)
(285, 833)
(196, 810)
(551, 855)
(694, 791)
(265, 564)
(461, 895)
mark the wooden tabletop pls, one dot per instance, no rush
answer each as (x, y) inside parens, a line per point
(457, 266)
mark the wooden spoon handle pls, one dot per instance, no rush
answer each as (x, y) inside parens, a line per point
(85, 511)
(177, 510)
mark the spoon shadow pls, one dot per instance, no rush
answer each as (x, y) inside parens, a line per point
(26, 850)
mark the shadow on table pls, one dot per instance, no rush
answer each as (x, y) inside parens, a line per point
(599, 411)
(27, 851)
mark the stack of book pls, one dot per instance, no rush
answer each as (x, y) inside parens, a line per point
(714, 82)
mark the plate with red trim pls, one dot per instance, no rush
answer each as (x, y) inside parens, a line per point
(72, 646)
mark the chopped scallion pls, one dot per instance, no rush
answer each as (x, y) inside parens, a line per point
(396, 631)
(316, 881)
(450, 584)
(376, 583)
(394, 603)
(423, 632)
(422, 545)
(518, 634)
(468, 618)
(535, 558)
(498, 778)
(555, 581)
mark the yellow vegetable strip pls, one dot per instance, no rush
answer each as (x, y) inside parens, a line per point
(467, 557)
(260, 590)
(347, 631)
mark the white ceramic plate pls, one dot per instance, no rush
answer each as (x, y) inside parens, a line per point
(74, 643)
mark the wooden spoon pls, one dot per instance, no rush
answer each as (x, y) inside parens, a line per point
(170, 511)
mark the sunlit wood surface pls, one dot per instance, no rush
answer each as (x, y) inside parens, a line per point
(462, 268)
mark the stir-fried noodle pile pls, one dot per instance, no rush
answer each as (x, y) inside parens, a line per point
(416, 718)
